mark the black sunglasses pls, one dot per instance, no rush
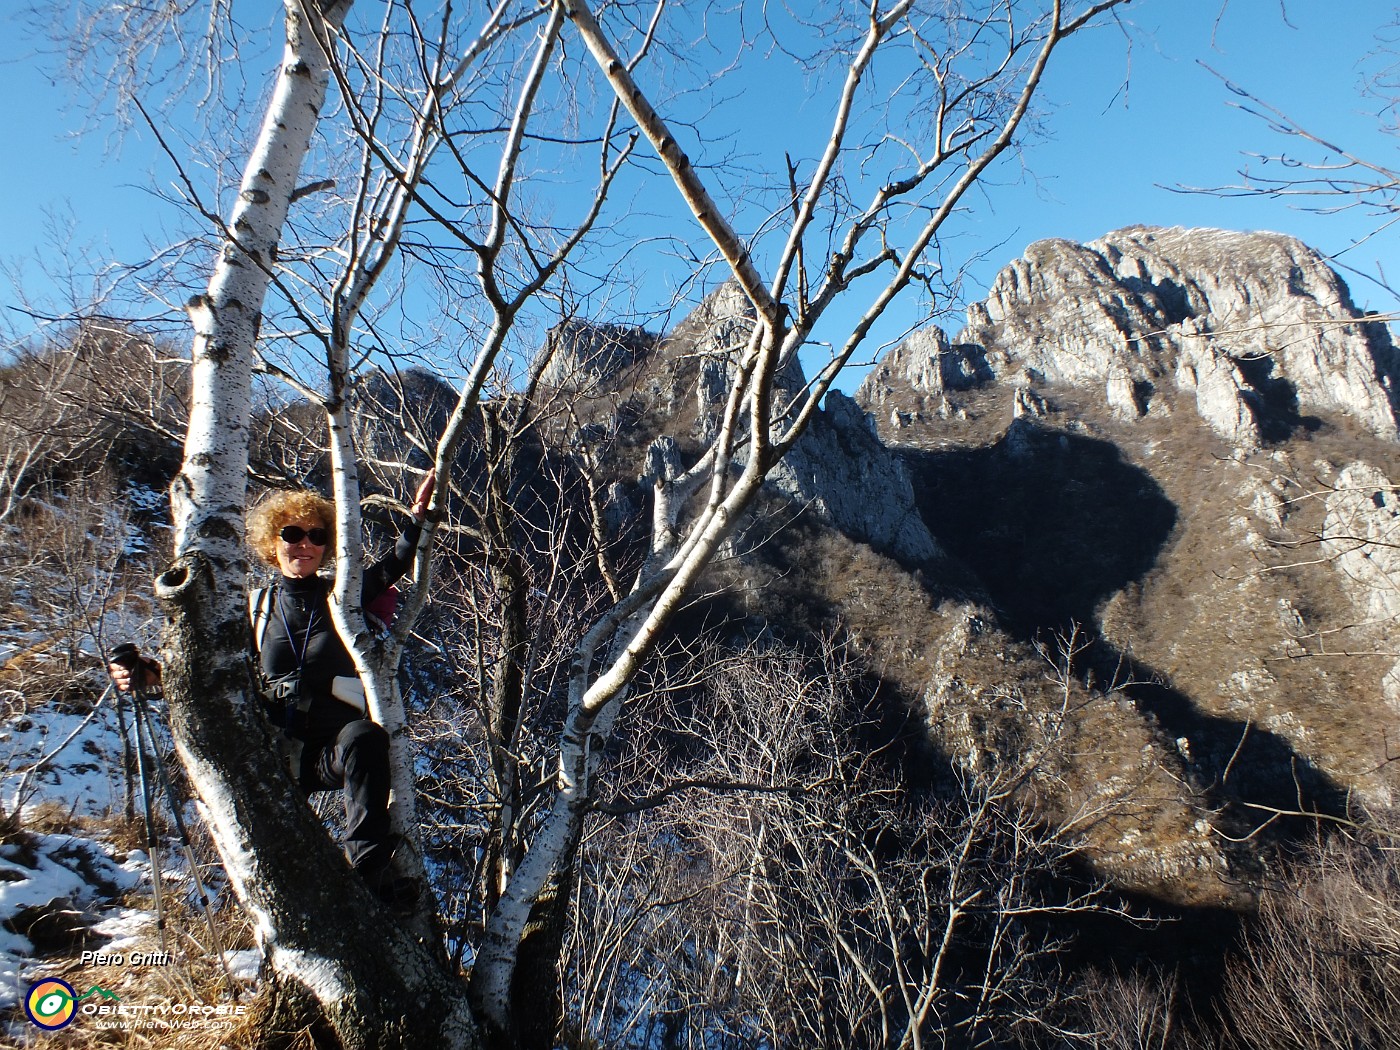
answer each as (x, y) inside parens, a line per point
(294, 534)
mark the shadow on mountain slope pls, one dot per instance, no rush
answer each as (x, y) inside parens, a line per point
(1053, 524)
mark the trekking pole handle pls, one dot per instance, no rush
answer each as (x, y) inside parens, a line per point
(128, 656)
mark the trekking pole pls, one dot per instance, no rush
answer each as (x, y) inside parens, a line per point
(148, 813)
(128, 765)
(143, 716)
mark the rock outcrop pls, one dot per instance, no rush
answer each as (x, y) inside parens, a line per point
(838, 473)
(1253, 330)
(848, 479)
(1361, 535)
(580, 356)
(1180, 441)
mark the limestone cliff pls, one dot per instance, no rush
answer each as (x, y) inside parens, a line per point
(839, 473)
(1255, 329)
(1183, 442)
(1129, 533)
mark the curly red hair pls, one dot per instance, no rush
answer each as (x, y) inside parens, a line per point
(281, 508)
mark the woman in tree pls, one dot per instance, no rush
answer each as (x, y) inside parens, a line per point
(308, 684)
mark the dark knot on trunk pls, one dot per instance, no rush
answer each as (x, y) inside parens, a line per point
(181, 582)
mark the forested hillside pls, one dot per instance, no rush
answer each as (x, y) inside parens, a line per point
(1044, 695)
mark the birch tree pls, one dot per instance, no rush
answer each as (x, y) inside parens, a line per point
(757, 430)
(853, 216)
(262, 837)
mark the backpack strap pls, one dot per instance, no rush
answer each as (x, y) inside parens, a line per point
(260, 603)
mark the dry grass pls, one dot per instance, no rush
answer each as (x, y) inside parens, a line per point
(193, 975)
(1322, 968)
(1319, 968)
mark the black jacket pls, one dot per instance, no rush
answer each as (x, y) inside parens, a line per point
(301, 634)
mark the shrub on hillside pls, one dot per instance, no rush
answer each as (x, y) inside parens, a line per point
(1318, 969)
(1322, 967)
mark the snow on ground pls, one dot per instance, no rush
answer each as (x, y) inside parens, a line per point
(68, 766)
(78, 872)
(85, 777)
(244, 964)
(69, 876)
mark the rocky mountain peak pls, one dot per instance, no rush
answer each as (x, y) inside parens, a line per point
(583, 356)
(1161, 461)
(1181, 443)
(1251, 330)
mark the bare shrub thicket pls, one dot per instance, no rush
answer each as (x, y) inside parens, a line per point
(87, 418)
(66, 562)
(87, 423)
(1135, 1011)
(71, 559)
(1318, 969)
(1322, 967)
(84, 399)
(810, 897)
(515, 582)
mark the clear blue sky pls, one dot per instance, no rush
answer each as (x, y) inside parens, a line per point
(1133, 116)
(1113, 156)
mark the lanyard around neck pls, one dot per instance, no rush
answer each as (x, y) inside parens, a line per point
(306, 638)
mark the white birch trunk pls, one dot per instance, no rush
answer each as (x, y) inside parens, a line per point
(283, 868)
(376, 663)
(208, 496)
(375, 667)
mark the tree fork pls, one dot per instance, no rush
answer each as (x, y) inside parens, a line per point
(374, 984)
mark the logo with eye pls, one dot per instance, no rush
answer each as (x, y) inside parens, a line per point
(51, 1004)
